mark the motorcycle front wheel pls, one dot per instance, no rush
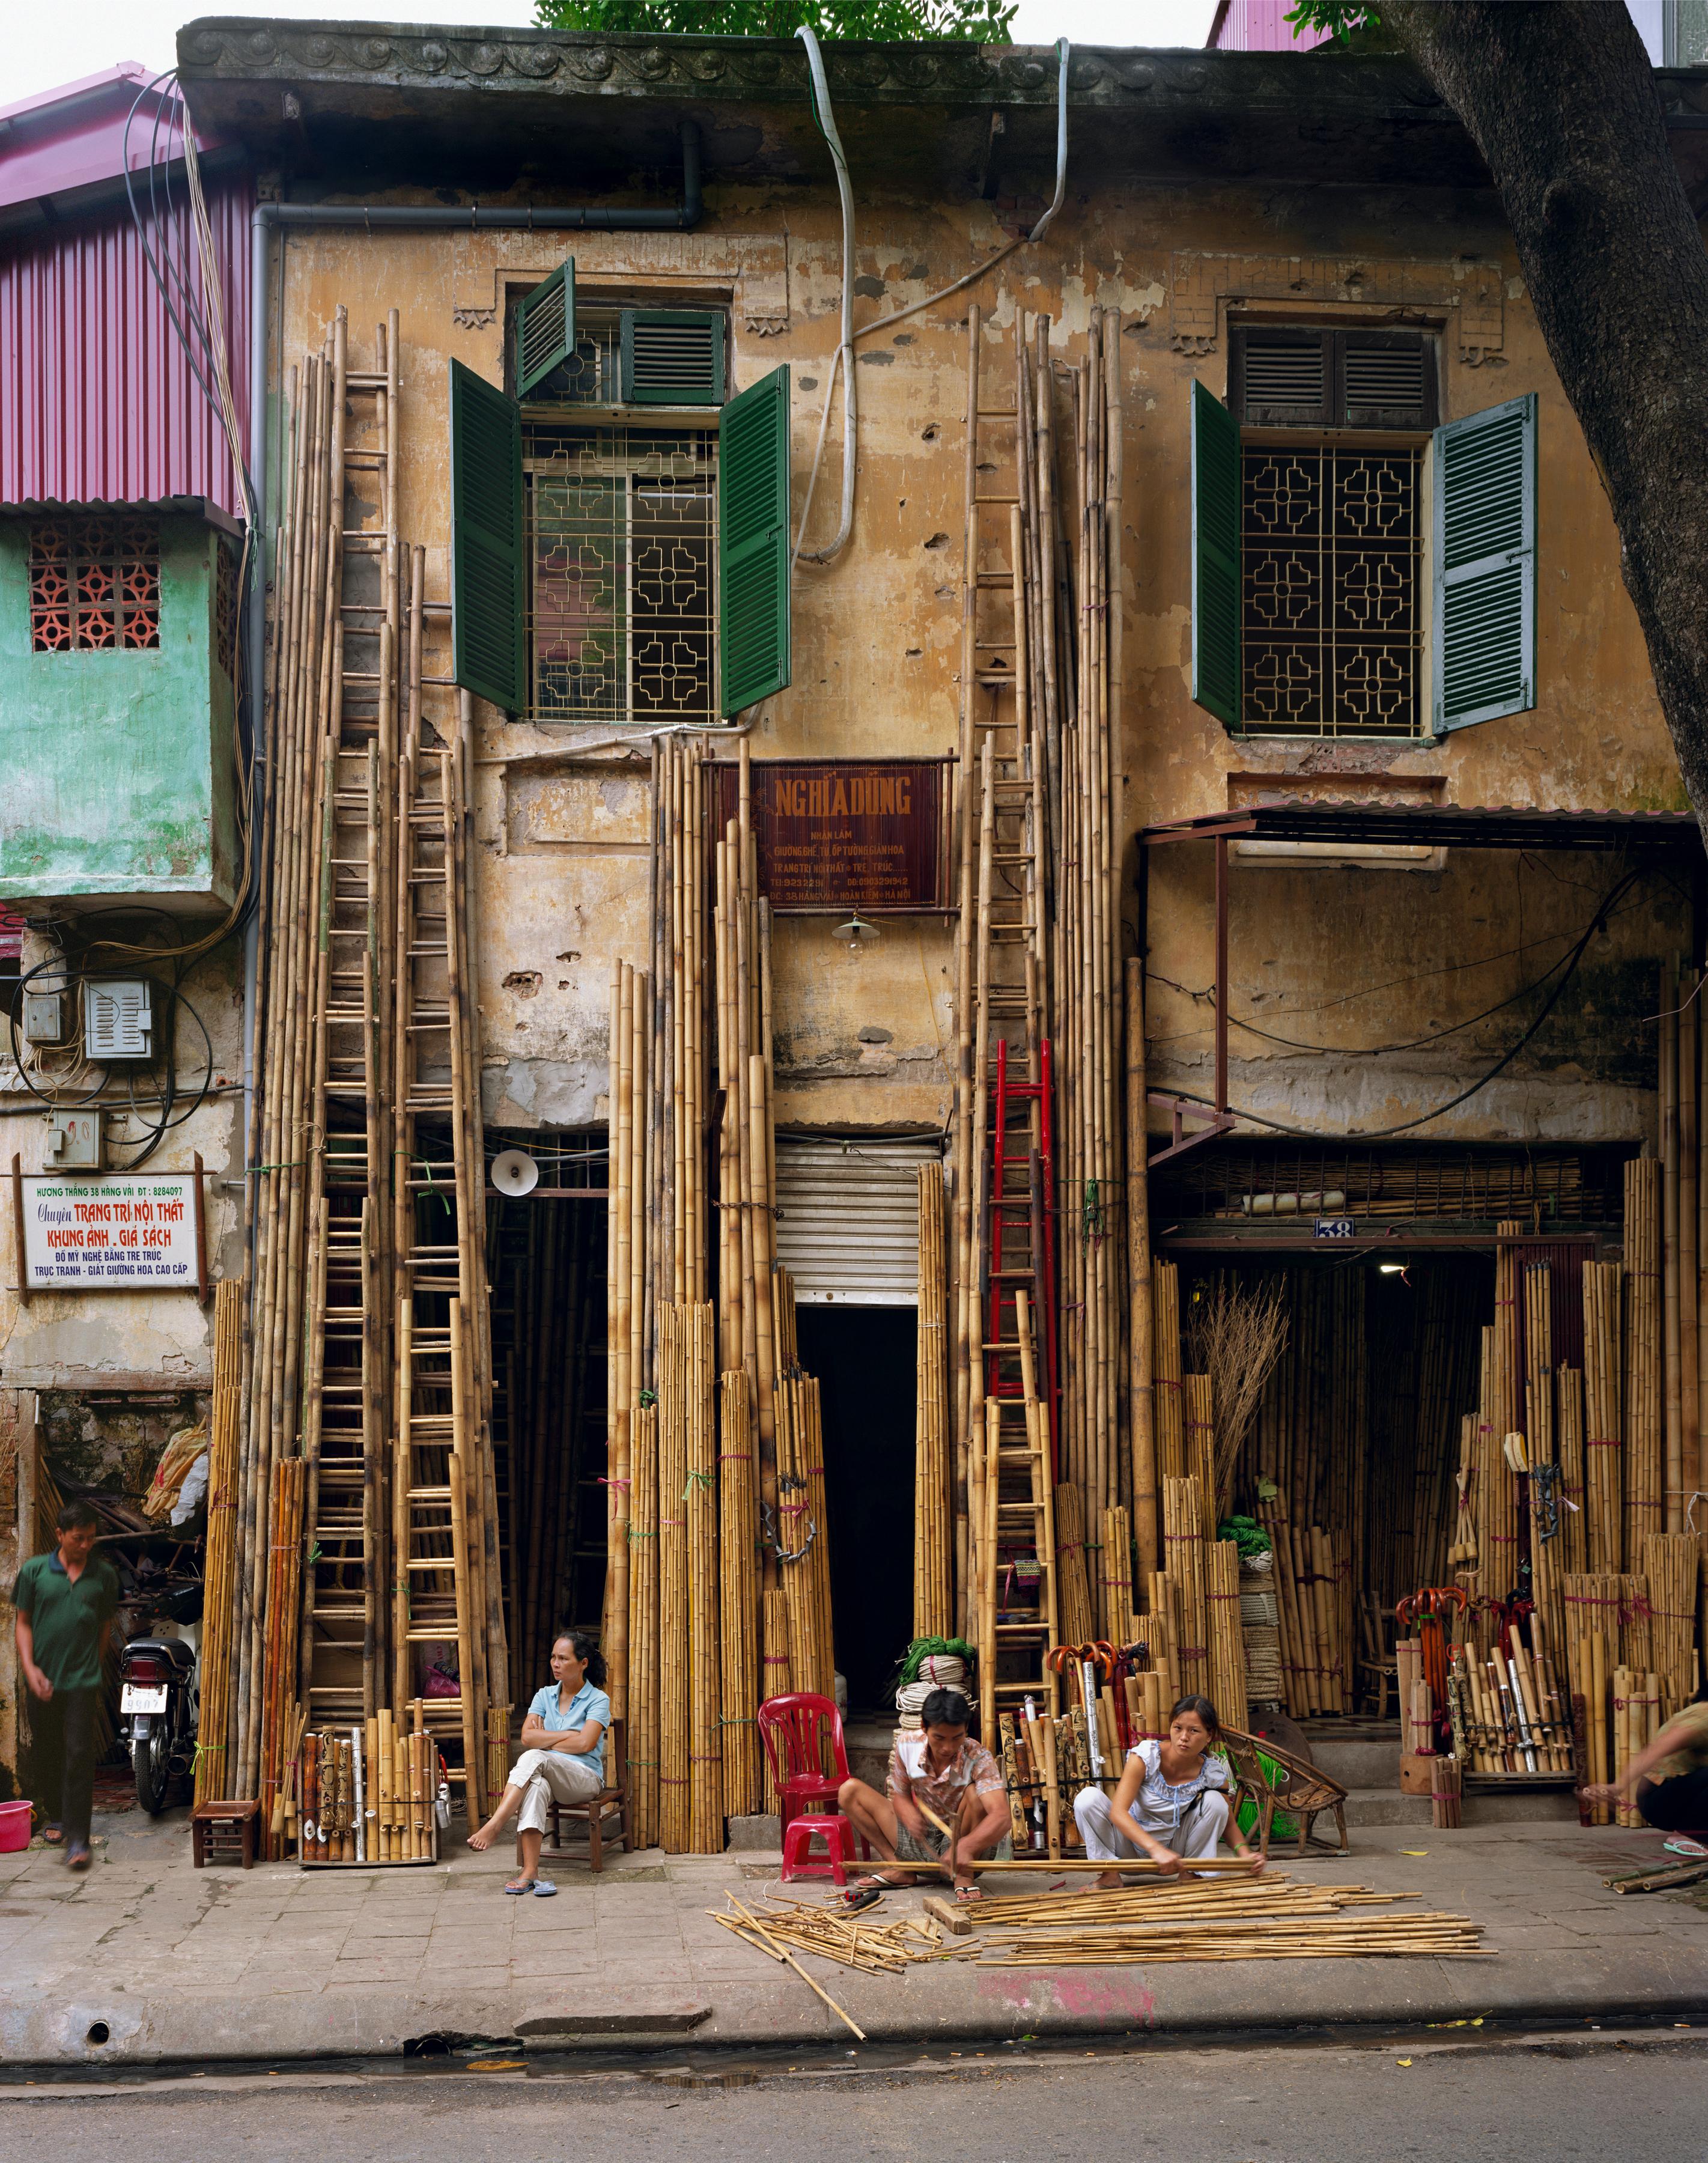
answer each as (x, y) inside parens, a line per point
(148, 1761)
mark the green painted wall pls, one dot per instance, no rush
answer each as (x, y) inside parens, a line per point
(116, 768)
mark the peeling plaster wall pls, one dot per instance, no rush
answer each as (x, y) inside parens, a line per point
(864, 1041)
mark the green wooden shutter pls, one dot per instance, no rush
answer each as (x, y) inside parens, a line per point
(545, 327)
(1485, 565)
(488, 569)
(1215, 558)
(753, 551)
(673, 357)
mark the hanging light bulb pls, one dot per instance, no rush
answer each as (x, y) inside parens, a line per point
(857, 933)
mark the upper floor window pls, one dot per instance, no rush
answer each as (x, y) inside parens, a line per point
(94, 582)
(1357, 569)
(620, 528)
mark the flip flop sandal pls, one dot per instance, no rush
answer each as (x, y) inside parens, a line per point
(969, 1896)
(54, 1834)
(526, 1885)
(544, 1888)
(1685, 1845)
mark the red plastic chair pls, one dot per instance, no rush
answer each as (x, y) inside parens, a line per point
(792, 1727)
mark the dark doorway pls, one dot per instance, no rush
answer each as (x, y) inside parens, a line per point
(864, 1357)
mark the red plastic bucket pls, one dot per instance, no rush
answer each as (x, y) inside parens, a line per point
(14, 1827)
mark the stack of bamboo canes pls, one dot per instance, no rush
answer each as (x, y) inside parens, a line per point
(738, 1534)
(700, 1652)
(679, 1389)
(1117, 1575)
(644, 1713)
(777, 1674)
(1227, 1690)
(1645, 1379)
(1170, 1397)
(933, 1519)
(1074, 1613)
(368, 1792)
(1604, 1417)
(278, 1662)
(1672, 1564)
(628, 1227)
(1636, 1713)
(1201, 1443)
(212, 1749)
(1183, 1539)
(1428, 1936)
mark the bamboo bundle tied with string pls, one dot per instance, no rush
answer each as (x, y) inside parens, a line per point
(1184, 1543)
(676, 1383)
(219, 1616)
(1171, 1402)
(1671, 1565)
(1568, 1410)
(1074, 1611)
(738, 1543)
(1201, 1443)
(700, 1651)
(1645, 1374)
(778, 1677)
(1604, 1417)
(278, 1662)
(933, 1557)
(1116, 1573)
(1227, 1690)
(643, 1732)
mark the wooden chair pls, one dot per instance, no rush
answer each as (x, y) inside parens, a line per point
(611, 1800)
(223, 1833)
(1301, 1791)
(1375, 1659)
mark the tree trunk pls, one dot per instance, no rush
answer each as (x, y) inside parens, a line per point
(1560, 99)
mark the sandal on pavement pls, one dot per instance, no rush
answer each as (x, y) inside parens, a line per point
(76, 1858)
(54, 1834)
(1684, 1845)
(521, 1885)
(544, 1888)
(967, 1894)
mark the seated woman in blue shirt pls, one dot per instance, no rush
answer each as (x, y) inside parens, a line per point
(562, 1755)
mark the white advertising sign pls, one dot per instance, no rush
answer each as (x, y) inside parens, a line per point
(104, 1234)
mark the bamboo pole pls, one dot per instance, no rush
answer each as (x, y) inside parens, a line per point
(933, 1507)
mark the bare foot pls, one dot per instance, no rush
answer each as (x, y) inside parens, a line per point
(483, 1838)
(1107, 1881)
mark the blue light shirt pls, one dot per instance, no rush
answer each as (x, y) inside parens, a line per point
(588, 1702)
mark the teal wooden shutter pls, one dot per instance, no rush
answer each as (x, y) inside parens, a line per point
(673, 357)
(753, 551)
(545, 327)
(488, 570)
(1215, 558)
(1485, 565)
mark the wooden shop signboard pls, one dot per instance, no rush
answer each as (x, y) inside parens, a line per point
(832, 833)
(110, 1233)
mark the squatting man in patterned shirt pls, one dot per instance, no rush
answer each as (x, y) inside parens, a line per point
(940, 1767)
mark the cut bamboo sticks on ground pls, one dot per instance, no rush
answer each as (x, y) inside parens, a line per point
(1315, 1937)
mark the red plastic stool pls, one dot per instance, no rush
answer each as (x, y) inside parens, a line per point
(838, 1835)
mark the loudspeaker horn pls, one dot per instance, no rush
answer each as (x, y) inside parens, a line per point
(515, 1173)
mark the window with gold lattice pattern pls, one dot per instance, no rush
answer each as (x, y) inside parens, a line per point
(94, 584)
(622, 595)
(1331, 610)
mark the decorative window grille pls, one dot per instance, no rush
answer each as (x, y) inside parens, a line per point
(622, 595)
(94, 584)
(1330, 600)
(225, 607)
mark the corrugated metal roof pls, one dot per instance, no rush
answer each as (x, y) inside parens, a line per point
(97, 404)
(848, 1220)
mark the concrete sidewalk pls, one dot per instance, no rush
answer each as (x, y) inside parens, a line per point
(146, 1960)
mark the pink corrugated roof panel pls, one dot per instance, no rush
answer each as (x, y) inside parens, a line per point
(1260, 26)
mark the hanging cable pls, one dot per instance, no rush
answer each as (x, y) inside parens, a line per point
(845, 351)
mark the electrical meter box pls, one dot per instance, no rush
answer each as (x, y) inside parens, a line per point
(74, 1141)
(44, 1017)
(119, 1019)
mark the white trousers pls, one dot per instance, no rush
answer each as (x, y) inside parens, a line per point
(543, 1774)
(1201, 1828)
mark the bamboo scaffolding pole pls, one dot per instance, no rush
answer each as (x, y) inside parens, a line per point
(933, 1507)
(738, 1536)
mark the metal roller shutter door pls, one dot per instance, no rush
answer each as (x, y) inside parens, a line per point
(848, 1220)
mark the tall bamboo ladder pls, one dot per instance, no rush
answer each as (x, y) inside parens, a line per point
(349, 1321)
(1005, 1251)
(444, 1518)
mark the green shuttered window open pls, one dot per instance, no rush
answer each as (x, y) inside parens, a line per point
(545, 327)
(487, 547)
(753, 551)
(1485, 551)
(1215, 558)
(673, 357)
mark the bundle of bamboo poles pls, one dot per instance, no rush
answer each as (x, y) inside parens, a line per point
(1283, 1937)
(1117, 1575)
(1201, 1443)
(279, 1661)
(1635, 1711)
(1074, 1611)
(678, 1385)
(803, 1546)
(1672, 1562)
(701, 1654)
(1226, 1690)
(368, 1792)
(1683, 1209)
(738, 1585)
(1512, 1714)
(1604, 1417)
(1167, 1383)
(212, 1749)
(778, 1676)
(630, 1584)
(1184, 1543)
(1171, 1900)
(643, 1729)
(1645, 1377)
(934, 1517)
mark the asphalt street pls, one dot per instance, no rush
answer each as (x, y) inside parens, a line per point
(1636, 2098)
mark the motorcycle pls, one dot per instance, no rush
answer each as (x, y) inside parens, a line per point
(158, 1699)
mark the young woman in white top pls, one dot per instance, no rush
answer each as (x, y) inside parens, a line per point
(1170, 1803)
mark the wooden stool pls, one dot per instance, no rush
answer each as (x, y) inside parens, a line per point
(223, 1832)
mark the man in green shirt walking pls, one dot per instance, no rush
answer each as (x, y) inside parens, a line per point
(66, 1602)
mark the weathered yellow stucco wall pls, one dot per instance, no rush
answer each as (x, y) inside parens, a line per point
(866, 1040)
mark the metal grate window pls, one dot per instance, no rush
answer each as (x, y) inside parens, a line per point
(622, 551)
(1330, 599)
(94, 584)
(592, 375)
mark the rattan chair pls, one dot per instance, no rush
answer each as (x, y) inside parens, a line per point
(1301, 1792)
